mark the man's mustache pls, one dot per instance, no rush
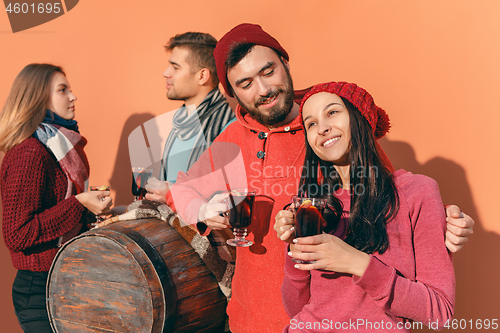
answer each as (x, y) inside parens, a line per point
(271, 94)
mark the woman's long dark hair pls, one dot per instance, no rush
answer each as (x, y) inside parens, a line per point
(374, 199)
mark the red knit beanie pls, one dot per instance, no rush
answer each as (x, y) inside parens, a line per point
(241, 34)
(360, 98)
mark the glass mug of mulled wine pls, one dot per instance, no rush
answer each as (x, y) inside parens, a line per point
(140, 177)
(240, 203)
(98, 218)
(308, 213)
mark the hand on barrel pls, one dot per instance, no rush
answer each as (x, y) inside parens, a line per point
(285, 225)
(98, 202)
(157, 190)
(213, 213)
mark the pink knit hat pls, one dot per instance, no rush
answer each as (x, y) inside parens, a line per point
(243, 33)
(360, 98)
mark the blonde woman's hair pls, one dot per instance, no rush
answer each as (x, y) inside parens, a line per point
(26, 105)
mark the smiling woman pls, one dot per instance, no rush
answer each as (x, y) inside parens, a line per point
(327, 125)
(382, 255)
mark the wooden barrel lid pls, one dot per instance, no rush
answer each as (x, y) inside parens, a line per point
(106, 284)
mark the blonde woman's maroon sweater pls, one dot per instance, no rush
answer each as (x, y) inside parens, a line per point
(35, 211)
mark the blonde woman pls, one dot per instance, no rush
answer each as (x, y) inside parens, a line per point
(44, 177)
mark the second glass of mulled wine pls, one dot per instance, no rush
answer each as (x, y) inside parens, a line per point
(140, 177)
(240, 202)
(308, 218)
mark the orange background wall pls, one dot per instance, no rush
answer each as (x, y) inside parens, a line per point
(433, 65)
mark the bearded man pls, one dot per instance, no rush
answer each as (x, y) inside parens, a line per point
(267, 153)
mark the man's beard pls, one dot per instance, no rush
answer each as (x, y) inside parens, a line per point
(278, 112)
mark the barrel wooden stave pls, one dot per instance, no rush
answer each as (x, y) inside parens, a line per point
(155, 287)
(202, 314)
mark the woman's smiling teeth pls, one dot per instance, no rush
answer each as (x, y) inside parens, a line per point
(330, 142)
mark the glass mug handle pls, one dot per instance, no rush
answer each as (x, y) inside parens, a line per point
(290, 208)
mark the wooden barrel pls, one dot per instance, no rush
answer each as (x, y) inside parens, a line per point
(133, 276)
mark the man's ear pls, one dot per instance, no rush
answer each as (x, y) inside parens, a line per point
(287, 64)
(204, 76)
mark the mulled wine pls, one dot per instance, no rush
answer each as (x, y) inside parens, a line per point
(140, 177)
(240, 203)
(308, 220)
(241, 215)
(97, 217)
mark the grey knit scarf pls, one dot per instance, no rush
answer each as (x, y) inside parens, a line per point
(209, 117)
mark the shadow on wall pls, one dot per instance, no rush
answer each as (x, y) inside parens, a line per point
(476, 266)
(121, 179)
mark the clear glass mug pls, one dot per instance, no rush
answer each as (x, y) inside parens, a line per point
(97, 217)
(308, 214)
(240, 203)
(140, 178)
